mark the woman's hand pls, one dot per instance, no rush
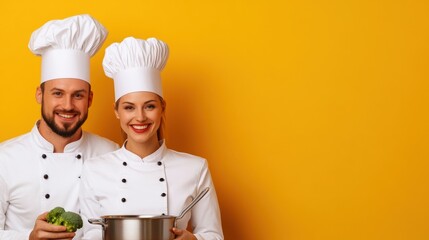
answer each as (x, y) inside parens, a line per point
(44, 230)
(183, 234)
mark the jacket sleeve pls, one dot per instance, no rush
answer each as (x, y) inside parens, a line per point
(7, 234)
(205, 218)
(89, 209)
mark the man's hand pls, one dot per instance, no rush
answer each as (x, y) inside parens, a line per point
(44, 230)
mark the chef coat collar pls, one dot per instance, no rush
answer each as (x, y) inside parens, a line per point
(154, 157)
(49, 147)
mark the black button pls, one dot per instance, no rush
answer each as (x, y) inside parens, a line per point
(163, 214)
(78, 177)
(123, 200)
(124, 180)
(124, 163)
(45, 176)
(47, 196)
(78, 156)
(43, 156)
(161, 179)
(163, 195)
(159, 163)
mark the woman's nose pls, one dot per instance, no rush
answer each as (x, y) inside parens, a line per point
(141, 116)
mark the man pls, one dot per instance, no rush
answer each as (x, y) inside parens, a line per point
(40, 170)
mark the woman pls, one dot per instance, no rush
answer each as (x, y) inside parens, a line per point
(144, 176)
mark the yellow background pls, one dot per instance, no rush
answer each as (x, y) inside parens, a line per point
(313, 115)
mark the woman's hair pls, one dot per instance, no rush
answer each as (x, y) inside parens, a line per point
(160, 131)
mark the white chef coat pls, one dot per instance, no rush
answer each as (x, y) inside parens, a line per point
(33, 179)
(165, 182)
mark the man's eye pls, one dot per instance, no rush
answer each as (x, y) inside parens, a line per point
(78, 95)
(57, 93)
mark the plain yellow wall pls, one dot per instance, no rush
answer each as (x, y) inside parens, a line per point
(313, 115)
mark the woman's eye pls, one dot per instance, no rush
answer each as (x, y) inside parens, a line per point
(150, 106)
(128, 107)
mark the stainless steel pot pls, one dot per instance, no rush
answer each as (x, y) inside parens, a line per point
(136, 227)
(142, 227)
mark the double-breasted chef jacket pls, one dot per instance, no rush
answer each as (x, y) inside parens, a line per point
(165, 182)
(33, 179)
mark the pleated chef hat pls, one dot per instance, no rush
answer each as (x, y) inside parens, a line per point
(135, 65)
(66, 46)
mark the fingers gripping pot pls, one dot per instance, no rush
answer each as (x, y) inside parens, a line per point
(142, 227)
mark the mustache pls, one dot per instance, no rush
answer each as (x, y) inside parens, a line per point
(65, 111)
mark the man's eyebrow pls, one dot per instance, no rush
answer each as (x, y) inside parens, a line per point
(62, 90)
(81, 90)
(56, 89)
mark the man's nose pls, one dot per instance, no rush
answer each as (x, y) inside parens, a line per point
(68, 103)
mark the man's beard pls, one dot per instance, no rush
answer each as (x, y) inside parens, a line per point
(67, 131)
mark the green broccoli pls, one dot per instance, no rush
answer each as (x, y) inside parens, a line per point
(58, 216)
(72, 221)
(54, 215)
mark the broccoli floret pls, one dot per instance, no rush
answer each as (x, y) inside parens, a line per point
(58, 216)
(54, 215)
(72, 221)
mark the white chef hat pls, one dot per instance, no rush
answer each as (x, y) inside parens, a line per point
(135, 65)
(66, 46)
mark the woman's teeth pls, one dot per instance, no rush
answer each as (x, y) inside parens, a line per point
(141, 127)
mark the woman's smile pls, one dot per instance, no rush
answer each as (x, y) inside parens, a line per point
(140, 128)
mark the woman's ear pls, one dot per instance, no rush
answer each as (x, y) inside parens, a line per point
(115, 110)
(163, 104)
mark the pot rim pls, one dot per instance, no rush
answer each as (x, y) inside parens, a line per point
(137, 217)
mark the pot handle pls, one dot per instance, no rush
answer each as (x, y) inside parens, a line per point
(193, 202)
(97, 221)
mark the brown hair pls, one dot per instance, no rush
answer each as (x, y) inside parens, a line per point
(42, 87)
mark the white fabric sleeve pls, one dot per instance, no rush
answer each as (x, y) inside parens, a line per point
(205, 215)
(89, 209)
(8, 234)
